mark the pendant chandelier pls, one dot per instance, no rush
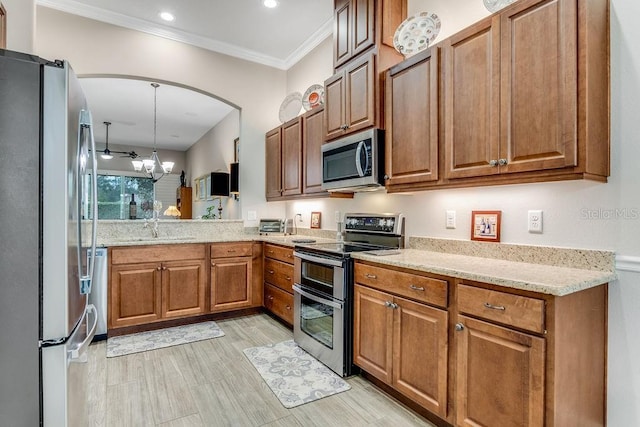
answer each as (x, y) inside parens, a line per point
(148, 166)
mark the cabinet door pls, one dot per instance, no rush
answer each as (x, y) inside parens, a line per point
(273, 165)
(360, 83)
(363, 26)
(230, 283)
(135, 294)
(183, 288)
(412, 144)
(538, 85)
(373, 332)
(472, 100)
(500, 376)
(334, 113)
(312, 140)
(341, 32)
(420, 354)
(292, 157)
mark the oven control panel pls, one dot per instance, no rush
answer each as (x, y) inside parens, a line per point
(387, 224)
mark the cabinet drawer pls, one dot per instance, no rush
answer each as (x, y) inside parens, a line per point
(156, 253)
(279, 303)
(514, 310)
(417, 287)
(236, 249)
(279, 274)
(278, 252)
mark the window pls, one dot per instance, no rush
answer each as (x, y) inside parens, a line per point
(114, 195)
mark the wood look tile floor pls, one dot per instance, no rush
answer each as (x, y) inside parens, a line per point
(211, 383)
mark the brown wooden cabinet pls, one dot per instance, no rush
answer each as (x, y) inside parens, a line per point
(278, 281)
(500, 376)
(412, 121)
(231, 276)
(183, 202)
(153, 283)
(293, 158)
(359, 25)
(135, 294)
(351, 102)
(402, 342)
(312, 140)
(522, 102)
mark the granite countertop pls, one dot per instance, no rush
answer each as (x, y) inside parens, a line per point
(167, 240)
(540, 278)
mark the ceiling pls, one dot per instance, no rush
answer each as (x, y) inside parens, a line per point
(244, 29)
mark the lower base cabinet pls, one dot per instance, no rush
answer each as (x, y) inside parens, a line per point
(183, 288)
(135, 294)
(279, 302)
(404, 344)
(231, 283)
(500, 375)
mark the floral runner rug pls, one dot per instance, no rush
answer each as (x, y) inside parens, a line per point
(160, 338)
(293, 375)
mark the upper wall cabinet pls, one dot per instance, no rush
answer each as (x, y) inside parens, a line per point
(361, 24)
(412, 120)
(293, 158)
(527, 90)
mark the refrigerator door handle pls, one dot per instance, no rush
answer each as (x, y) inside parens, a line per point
(78, 354)
(86, 125)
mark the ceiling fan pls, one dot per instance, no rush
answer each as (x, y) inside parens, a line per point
(106, 154)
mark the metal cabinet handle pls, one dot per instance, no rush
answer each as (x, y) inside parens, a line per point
(387, 303)
(230, 250)
(270, 271)
(494, 307)
(159, 268)
(493, 163)
(502, 162)
(390, 304)
(288, 307)
(417, 288)
(459, 327)
(269, 252)
(288, 278)
(386, 177)
(370, 276)
(164, 268)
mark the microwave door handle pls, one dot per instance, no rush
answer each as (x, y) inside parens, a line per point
(316, 298)
(358, 164)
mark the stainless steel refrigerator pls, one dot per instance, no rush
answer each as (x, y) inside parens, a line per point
(47, 157)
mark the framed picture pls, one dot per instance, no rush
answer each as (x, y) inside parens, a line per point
(236, 150)
(485, 226)
(202, 189)
(196, 189)
(315, 219)
(207, 196)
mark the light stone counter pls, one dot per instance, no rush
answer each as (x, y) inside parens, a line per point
(535, 277)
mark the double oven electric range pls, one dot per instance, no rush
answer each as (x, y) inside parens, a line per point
(323, 286)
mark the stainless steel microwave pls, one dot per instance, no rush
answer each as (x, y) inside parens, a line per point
(354, 163)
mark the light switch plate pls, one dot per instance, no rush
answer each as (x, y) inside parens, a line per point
(535, 221)
(252, 215)
(451, 219)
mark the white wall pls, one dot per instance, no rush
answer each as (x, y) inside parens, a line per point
(213, 153)
(20, 24)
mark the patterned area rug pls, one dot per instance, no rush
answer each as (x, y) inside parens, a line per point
(151, 340)
(293, 375)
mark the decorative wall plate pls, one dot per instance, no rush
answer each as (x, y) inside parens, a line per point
(313, 97)
(416, 33)
(495, 5)
(290, 107)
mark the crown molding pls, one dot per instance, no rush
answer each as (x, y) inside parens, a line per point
(98, 14)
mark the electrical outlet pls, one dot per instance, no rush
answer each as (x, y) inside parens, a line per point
(535, 221)
(338, 216)
(451, 219)
(252, 215)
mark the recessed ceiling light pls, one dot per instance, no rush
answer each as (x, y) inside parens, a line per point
(270, 3)
(167, 16)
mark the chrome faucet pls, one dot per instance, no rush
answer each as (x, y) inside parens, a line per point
(153, 227)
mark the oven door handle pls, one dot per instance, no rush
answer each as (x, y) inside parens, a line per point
(319, 260)
(316, 298)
